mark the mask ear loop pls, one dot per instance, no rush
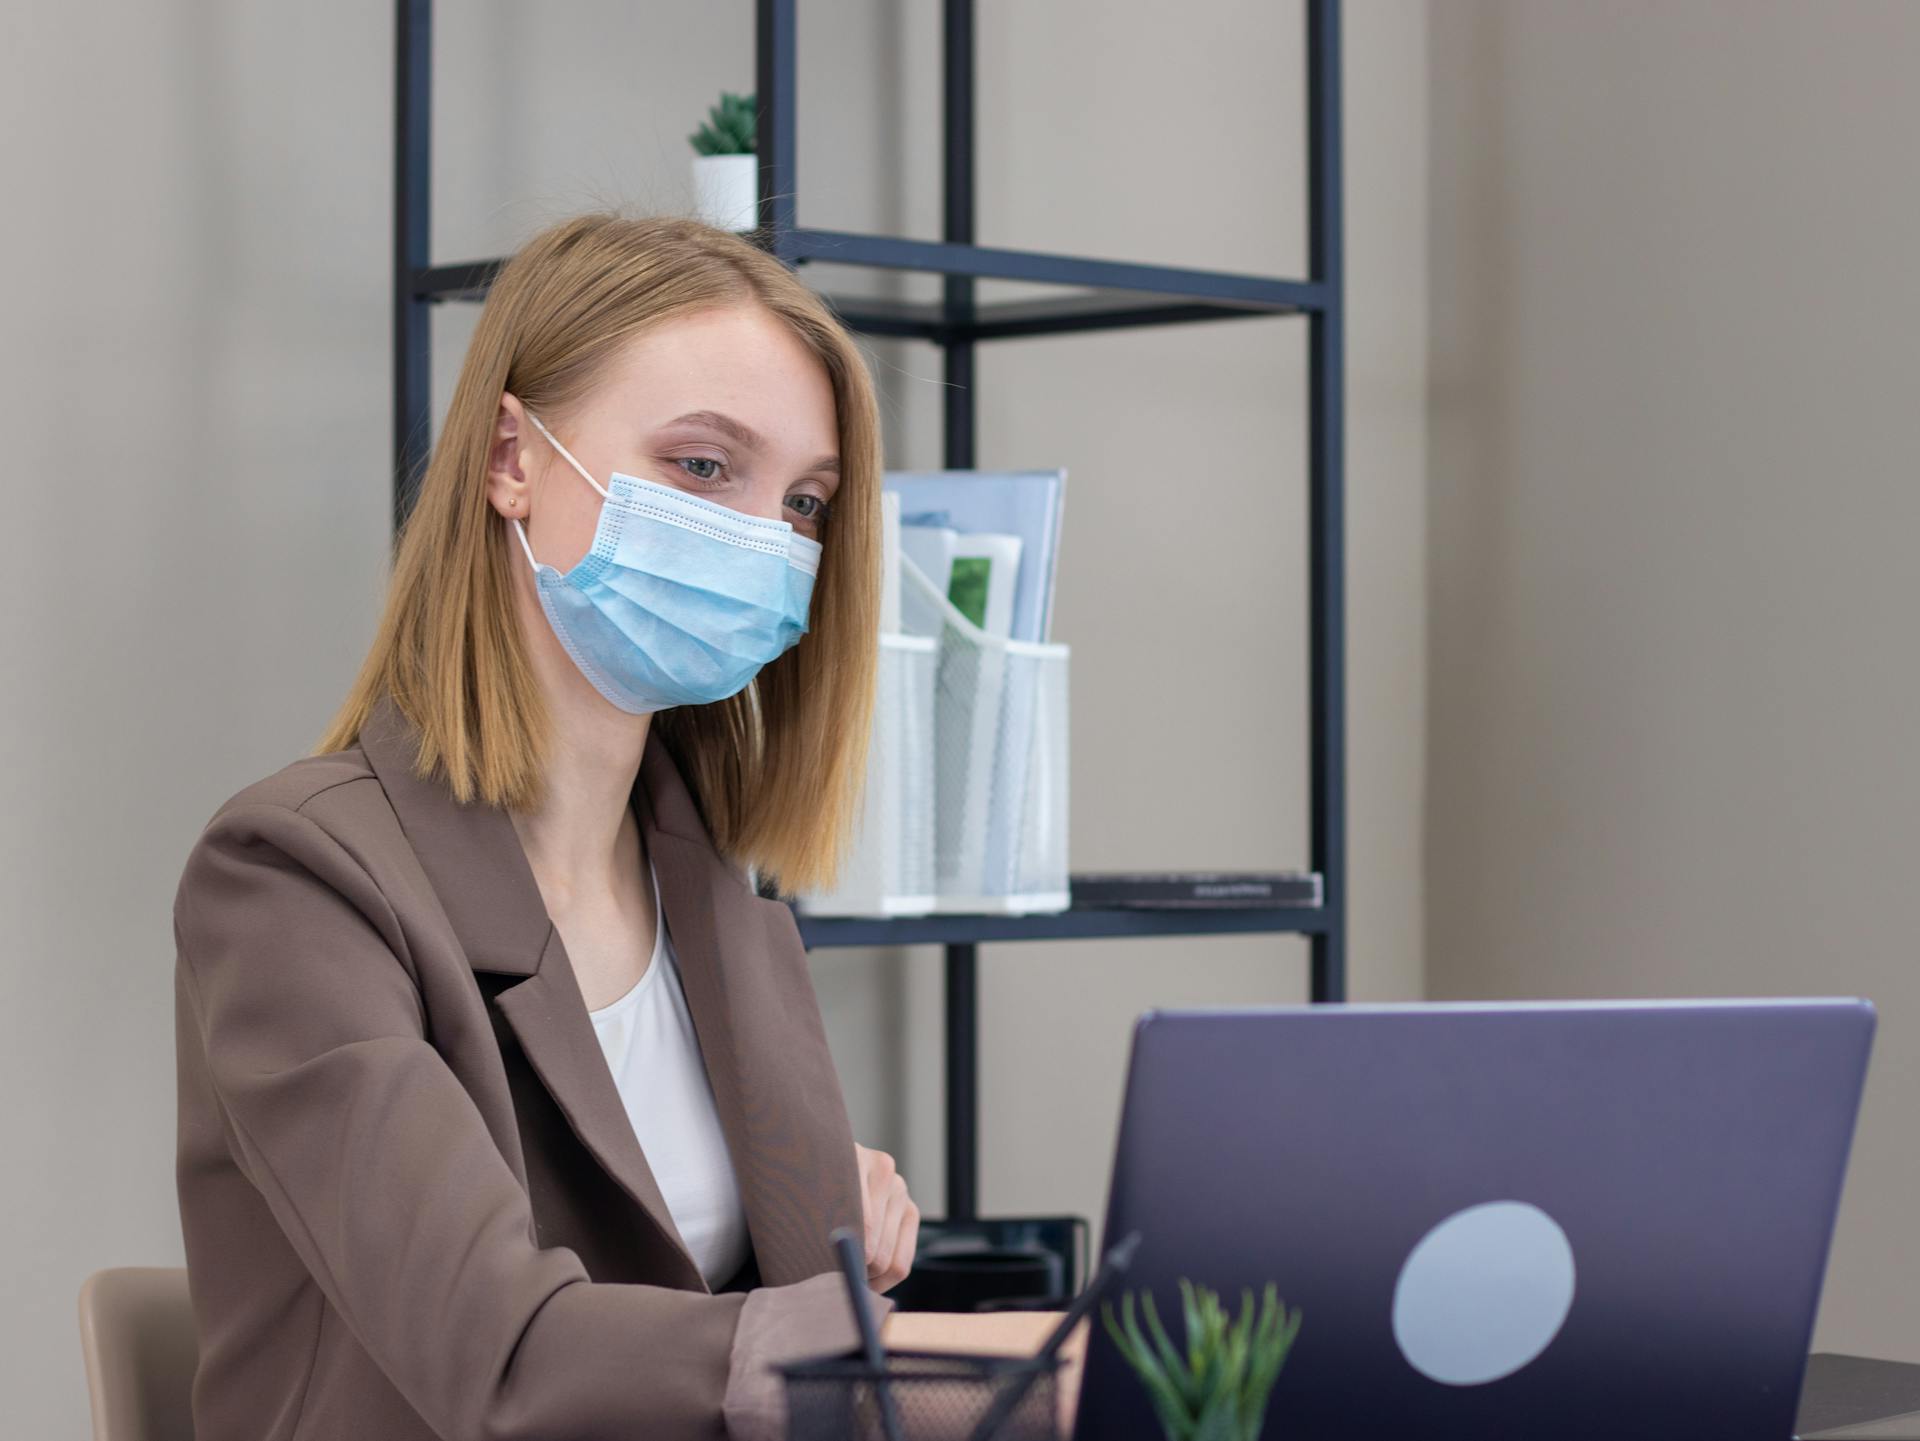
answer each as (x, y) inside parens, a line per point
(605, 494)
(521, 531)
(518, 526)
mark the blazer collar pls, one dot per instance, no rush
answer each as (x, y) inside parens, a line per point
(728, 942)
(473, 857)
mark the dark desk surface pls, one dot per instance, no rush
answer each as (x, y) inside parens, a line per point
(1855, 1398)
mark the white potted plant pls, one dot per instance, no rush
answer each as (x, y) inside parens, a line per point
(726, 172)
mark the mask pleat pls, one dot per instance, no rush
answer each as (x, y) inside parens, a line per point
(664, 615)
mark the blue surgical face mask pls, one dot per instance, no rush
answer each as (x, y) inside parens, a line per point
(680, 601)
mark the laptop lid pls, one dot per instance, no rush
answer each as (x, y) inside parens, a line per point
(1582, 1221)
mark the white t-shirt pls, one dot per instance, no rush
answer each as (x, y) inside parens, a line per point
(648, 1038)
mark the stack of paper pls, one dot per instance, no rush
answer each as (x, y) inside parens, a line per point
(1010, 519)
(987, 544)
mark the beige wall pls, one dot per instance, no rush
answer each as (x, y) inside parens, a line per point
(1676, 336)
(197, 375)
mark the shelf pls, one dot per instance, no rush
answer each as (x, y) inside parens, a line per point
(1108, 294)
(984, 262)
(1011, 320)
(1080, 925)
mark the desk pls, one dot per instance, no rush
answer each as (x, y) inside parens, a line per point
(1856, 1398)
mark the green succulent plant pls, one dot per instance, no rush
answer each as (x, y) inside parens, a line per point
(729, 128)
(1218, 1390)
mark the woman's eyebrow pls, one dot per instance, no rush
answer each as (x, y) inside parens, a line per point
(744, 434)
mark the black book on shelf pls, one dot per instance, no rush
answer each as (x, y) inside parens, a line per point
(1194, 890)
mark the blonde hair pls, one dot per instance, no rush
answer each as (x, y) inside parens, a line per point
(777, 770)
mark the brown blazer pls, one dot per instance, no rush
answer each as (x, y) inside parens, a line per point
(412, 1202)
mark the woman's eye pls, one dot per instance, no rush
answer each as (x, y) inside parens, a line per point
(714, 474)
(817, 510)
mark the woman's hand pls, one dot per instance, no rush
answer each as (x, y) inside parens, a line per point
(893, 1221)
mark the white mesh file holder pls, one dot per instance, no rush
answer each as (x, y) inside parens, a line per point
(999, 763)
(888, 869)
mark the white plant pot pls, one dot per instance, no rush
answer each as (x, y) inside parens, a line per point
(726, 190)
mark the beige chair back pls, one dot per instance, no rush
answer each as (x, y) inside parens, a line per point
(137, 1335)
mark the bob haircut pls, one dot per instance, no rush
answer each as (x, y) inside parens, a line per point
(777, 770)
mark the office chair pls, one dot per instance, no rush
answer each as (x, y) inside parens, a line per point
(137, 1335)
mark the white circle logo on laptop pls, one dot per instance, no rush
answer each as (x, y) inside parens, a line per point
(1483, 1294)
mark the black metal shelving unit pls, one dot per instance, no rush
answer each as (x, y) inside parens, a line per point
(1108, 295)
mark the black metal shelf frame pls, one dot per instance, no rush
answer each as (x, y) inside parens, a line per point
(1104, 295)
(1112, 294)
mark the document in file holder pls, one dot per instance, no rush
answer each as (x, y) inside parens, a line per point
(1000, 762)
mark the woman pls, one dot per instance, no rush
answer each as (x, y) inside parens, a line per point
(505, 1105)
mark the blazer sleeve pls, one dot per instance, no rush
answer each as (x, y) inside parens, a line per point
(379, 1168)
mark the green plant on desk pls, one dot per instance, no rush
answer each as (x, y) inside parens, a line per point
(1218, 1390)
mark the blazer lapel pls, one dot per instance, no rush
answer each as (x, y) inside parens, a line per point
(742, 969)
(744, 972)
(474, 860)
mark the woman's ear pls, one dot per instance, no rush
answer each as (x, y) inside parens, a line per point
(507, 489)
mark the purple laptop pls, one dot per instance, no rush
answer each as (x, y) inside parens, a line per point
(1577, 1221)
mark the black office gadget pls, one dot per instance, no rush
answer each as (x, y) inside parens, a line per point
(1859, 1398)
(1582, 1221)
(1194, 890)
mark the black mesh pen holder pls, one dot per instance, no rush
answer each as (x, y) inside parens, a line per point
(934, 1396)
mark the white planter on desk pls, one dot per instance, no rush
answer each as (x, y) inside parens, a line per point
(726, 190)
